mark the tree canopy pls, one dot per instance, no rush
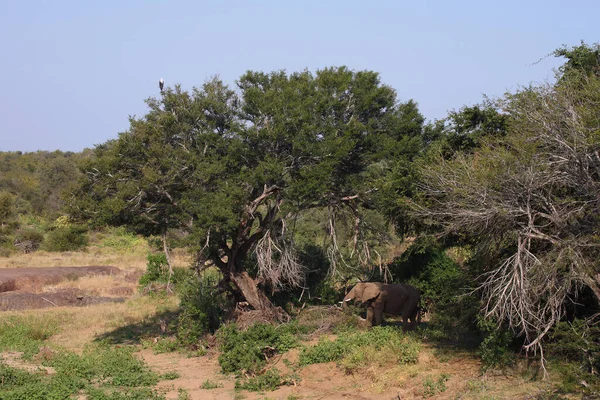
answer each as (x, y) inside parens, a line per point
(234, 168)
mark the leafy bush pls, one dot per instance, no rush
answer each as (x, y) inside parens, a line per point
(66, 239)
(6, 245)
(574, 352)
(497, 349)
(246, 351)
(156, 269)
(443, 284)
(28, 240)
(202, 309)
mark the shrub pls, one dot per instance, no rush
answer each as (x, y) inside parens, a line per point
(156, 269)
(6, 245)
(66, 239)
(28, 240)
(202, 309)
(573, 350)
(497, 349)
(443, 284)
(247, 351)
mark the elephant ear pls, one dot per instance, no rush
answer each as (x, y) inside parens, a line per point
(371, 292)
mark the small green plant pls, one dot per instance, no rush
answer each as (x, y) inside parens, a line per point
(268, 381)
(183, 394)
(169, 376)
(432, 387)
(161, 345)
(156, 269)
(66, 239)
(208, 384)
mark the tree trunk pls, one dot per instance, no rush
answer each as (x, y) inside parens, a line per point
(168, 257)
(250, 290)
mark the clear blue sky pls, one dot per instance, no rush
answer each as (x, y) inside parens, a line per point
(73, 71)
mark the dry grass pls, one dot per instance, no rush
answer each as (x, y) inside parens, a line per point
(93, 255)
(101, 285)
(82, 325)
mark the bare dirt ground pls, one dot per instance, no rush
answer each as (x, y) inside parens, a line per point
(139, 316)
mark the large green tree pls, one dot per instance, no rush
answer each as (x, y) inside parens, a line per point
(234, 168)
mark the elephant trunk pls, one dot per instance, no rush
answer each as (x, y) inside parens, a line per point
(348, 298)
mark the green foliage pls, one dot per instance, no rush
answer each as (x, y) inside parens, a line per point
(245, 351)
(279, 145)
(156, 269)
(169, 376)
(203, 308)
(66, 239)
(116, 366)
(433, 387)
(162, 345)
(581, 60)
(443, 283)
(26, 334)
(208, 384)
(101, 372)
(17, 384)
(7, 208)
(498, 346)
(269, 381)
(121, 240)
(353, 348)
(183, 394)
(574, 352)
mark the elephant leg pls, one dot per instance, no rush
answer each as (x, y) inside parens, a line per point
(413, 321)
(370, 315)
(378, 312)
(404, 322)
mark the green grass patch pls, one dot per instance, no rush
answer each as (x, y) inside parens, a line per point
(26, 334)
(352, 350)
(100, 372)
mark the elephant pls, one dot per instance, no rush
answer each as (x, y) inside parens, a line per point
(395, 299)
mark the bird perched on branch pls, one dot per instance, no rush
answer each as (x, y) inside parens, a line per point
(161, 84)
